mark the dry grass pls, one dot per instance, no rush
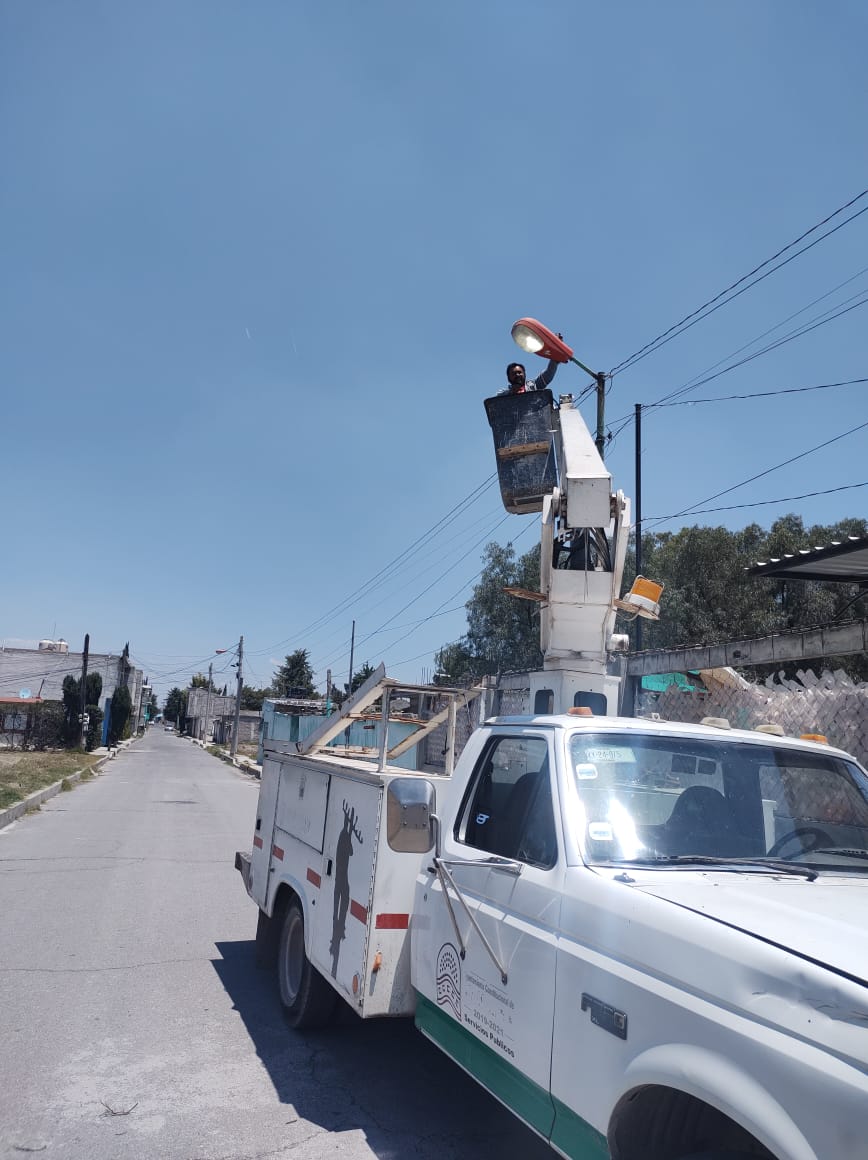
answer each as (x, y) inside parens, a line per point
(24, 773)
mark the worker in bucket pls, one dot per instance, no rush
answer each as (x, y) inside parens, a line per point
(518, 382)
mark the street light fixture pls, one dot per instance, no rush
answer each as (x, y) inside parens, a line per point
(535, 338)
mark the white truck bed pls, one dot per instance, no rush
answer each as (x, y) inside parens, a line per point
(321, 831)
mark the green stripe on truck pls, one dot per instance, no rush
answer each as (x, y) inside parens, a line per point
(573, 1136)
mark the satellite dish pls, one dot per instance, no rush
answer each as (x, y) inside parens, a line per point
(24, 693)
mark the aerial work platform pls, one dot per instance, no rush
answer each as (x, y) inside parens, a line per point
(523, 429)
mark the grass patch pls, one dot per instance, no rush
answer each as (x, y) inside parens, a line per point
(24, 773)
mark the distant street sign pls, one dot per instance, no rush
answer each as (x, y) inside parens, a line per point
(22, 693)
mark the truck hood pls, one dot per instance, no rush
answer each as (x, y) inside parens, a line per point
(825, 920)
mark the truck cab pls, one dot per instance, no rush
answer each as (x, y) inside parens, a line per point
(649, 940)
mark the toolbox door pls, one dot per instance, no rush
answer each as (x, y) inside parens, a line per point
(263, 832)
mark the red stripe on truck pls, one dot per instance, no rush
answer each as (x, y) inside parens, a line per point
(392, 921)
(358, 911)
(257, 842)
(277, 852)
(314, 878)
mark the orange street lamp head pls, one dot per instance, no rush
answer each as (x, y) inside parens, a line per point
(535, 338)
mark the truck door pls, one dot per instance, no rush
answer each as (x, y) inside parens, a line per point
(485, 933)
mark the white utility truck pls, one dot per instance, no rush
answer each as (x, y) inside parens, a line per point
(648, 940)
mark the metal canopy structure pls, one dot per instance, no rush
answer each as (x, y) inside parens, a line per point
(842, 561)
(379, 687)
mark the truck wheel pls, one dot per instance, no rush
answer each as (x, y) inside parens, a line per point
(307, 998)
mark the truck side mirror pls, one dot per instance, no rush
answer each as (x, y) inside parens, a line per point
(410, 806)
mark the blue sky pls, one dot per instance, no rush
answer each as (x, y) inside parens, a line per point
(260, 264)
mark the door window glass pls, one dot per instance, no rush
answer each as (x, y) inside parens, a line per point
(509, 810)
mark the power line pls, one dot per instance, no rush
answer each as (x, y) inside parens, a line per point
(347, 601)
(793, 459)
(799, 332)
(715, 303)
(764, 502)
(756, 394)
(418, 596)
(431, 616)
(693, 385)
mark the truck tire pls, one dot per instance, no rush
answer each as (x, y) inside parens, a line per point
(307, 998)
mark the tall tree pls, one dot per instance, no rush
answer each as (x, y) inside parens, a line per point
(121, 710)
(253, 698)
(359, 677)
(708, 596)
(294, 678)
(175, 708)
(502, 631)
(71, 695)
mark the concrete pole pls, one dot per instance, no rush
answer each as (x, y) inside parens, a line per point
(207, 706)
(238, 698)
(84, 656)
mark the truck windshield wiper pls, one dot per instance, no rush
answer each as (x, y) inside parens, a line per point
(734, 864)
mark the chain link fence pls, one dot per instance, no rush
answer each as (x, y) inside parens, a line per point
(831, 704)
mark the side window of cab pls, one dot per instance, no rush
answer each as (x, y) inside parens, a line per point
(508, 808)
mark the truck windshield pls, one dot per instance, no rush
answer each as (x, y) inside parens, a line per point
(653, 799)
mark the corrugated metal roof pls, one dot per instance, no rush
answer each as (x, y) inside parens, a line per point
(843, 561)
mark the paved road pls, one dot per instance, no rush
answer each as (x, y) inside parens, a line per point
(134, 1025)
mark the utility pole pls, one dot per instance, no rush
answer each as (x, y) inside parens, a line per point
(350, 684)
(600, 439)
(238, 698)
(328, 706)
(638, 513)
(207, 705)
(84, 720)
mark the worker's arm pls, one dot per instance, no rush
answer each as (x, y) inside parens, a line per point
(542, 380)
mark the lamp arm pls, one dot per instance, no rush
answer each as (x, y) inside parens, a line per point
(587, 370)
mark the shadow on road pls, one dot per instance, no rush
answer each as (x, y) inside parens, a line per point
(378, 1076)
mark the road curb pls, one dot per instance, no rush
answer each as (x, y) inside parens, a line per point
(34, 800)
(243, 764)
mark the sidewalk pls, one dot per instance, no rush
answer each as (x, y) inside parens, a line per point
(34, 800)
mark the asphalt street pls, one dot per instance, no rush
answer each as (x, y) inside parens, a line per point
(134, 1024)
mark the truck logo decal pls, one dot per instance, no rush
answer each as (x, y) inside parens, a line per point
(343, 853)
(449, 979)
(481, 819)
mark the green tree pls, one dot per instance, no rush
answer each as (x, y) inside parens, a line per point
(120, 712)
(252, 698)
(200, 681)
(502, 631)
(294, 678)
(708, 597)
(175, 708)
(71, 695)
(359, 678)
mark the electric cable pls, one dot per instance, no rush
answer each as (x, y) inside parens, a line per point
(763, 502)
(715, 303)
(793, 459)
(346, 602)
